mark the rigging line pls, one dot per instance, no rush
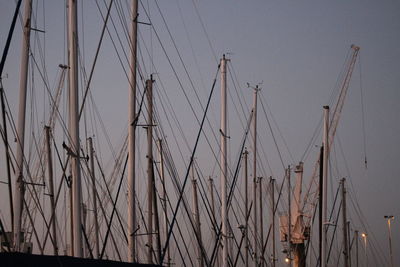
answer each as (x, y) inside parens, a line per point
(181, 235)
(273, 135)
(205, 31)
(236, 80)
(236, 174)
(186, 98)
(367, 228)
(110, 196)
(334, 231)
(173, 69)
(188, 170)
(113, 211)
(188, 212)
(191, 46)
(170, 206)
(363, 113)
(181, 60)
(35, 195)
(114, 45)
(9, 37)
(274, 211)
(242, 99)
(240, 102)
(63, 124)
(230, 195)
(183, 64)
(95, 58)
(277, 127)
(63, 178)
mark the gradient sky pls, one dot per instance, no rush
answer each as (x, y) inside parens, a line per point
(296, 48)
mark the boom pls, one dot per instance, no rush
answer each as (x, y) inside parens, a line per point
(311, 196)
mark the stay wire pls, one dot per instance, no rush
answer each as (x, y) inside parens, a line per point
(188, 169)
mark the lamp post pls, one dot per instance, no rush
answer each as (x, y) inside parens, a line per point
(389, 218)
(364, 236)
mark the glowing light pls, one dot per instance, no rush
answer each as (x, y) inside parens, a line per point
(287, 260)
(364, 235)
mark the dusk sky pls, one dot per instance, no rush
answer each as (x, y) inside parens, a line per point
(295, 50)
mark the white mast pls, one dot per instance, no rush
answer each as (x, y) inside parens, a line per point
(211, 188)
(19, 183)
(164, 196)
(196, 217)
(131, 138)
(74, 126)
(224, 165)
(325, 185)
(261, 221)
(255, 174)
(272, 185)
(246, 208)
(149, 85)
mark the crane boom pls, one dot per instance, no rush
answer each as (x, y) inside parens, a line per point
(311, 196)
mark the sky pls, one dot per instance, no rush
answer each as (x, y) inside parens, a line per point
(295, 50)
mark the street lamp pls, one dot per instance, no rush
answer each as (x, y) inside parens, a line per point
(364, 236)
(390, 218)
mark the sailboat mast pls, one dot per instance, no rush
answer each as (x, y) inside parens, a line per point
(261, 220)
(132, 222)
(224, 165)
(53, 221)
(149, 88)
(255, 176)
(246, 205)
(74, 126)
(289, 217)
(164, 196)
(19, 181)
(211, 188)
(272, 185)
(196, 217)
(344, 218)
(94, 196)
(325, 185)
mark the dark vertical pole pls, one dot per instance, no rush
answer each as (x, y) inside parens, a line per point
(356, 234)
(348, 241)
(5, 139)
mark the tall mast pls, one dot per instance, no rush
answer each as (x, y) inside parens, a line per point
(344, 217)
(196, 217)
(7, 154)
(289, 217)
(325, 185)
(214, 221)
(19, 181)
(94, 195)
(132, 222)
(149, 87)
(164, 196)
(255, 175)
(246, 205)
(356, 238)
(74, 126)
(272, 185)
(261, 221)
(53, 221)
(224, 165)
(298, 233)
